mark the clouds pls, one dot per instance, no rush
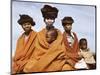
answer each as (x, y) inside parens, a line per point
(84, 17)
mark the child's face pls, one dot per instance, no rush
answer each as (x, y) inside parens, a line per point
(68, 26)
(49, 21)
(49, 37)
(84, 45)
(26, 26)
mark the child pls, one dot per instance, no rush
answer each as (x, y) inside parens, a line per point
(86, 53)
(25, 44)
(51, 35)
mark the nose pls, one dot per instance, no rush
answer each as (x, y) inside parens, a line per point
(26, 26)
(68, 26)
(49, 20)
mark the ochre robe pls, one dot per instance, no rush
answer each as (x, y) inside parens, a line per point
(71, 51)
(23, 52)
(47, 57)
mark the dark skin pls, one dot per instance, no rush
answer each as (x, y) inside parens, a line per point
(83, 45)
(49, 23)
(68, 28)
(27, 28)
(49, 37)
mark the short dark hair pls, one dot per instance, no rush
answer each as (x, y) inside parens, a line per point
(25, 18)
(81, 41)
(67, 20)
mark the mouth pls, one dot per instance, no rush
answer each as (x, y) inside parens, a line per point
(49, 22)
(27, 29)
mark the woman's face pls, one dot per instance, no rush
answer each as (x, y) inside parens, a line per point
(49, 21)
(26, 26)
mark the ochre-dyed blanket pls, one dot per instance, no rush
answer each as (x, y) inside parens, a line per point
(71, 51)
(23, 52)
(47, 57)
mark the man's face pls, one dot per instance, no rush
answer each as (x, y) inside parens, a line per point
(49, 21)
(26, 26)
(68, 26)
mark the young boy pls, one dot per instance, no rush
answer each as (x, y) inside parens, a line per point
(51, 35)
(25, 44)
(86, 53)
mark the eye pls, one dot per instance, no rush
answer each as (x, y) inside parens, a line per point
(24, 25)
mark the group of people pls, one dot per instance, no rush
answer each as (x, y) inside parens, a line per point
(49, 49)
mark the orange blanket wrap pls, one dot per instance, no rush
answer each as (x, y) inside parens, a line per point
(23, 52)
(71, 52)
(47, 57)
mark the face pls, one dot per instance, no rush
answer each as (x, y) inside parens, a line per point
(68, 27)
(49, 37)
(26, 26)
(49, 21)
(84, 45)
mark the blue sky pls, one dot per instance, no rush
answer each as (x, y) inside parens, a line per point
(84, 17)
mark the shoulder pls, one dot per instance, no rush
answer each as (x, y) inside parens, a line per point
(43, 30)
(90, 51)
(74, 33)
(34, 32)
(41, 33)
(20, 37)
(59, 32)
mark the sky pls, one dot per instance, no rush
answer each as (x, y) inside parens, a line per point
(84, 19)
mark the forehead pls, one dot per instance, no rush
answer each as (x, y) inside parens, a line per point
(49, 19)
(68, 24)
(52, 33)
(26, 23)
(84, 42)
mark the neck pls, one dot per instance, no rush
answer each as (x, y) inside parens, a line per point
(68, 32)
(49, 27)
(85, 49)
(27, 33)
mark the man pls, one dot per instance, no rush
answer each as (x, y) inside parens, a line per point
(25, 44)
